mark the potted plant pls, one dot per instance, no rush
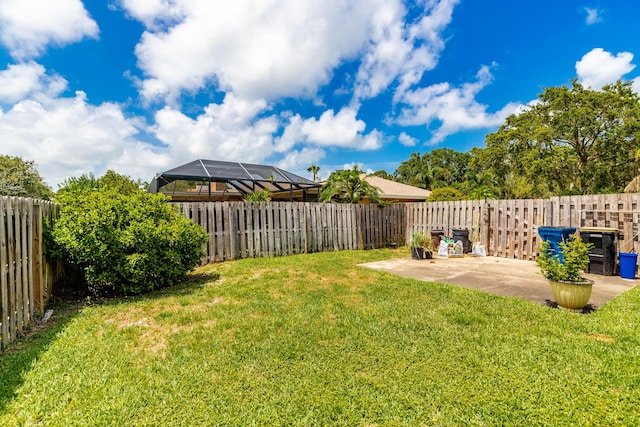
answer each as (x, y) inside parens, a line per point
(428, 246)
(570, 290)
(417, 250)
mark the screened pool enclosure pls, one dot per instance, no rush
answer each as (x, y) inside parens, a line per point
(213, 180)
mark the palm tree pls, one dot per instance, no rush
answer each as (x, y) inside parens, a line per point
(347, 186)
(314, 170)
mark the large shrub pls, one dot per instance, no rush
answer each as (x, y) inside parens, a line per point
(445, 194)
(124, 240)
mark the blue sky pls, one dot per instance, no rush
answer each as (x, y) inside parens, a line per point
(141, 86)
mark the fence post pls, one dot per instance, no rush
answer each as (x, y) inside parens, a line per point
(36, 259)
(4, 285)
(548, 212)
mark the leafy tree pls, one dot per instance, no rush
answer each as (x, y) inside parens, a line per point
(442, 167)
(415, 171)
(445, 194)
(124, 240)
(20, 178)
(573, 141)
(348, 186)
(383, 174)
(314, 170)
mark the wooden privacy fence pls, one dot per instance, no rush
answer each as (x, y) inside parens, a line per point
(248, 230)
(26, 277)
(508, 228)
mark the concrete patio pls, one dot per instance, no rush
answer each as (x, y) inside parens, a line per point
(501, 276)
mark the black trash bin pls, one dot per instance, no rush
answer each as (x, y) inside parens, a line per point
(602, 257)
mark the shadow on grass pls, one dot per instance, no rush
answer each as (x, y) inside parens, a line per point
(19, 357)
(589, 308)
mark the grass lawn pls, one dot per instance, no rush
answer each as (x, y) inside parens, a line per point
(315, 340)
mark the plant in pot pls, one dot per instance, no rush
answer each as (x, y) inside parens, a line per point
(570, 290)
(427, 246)
(417, 250)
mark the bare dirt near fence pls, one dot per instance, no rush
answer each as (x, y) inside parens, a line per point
(501, 276)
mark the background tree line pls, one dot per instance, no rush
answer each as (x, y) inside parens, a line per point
(573, 140)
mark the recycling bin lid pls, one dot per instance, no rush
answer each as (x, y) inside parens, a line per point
(599, 229)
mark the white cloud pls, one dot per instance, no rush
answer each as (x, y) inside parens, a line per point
(265, 49)
(19, 81)
(599, 67)
(407, 140)
(297, 161)
(593, 15)
(67, 136)
(402, 51)
(330, 130)
(333, 129)
(281, 48)
(27, 27)
(455, 109)
(227, 131)
(154, 14)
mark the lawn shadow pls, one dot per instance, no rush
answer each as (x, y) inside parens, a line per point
(20, 356)
(589, 308)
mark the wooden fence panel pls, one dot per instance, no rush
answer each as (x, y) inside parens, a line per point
(508, 228)
(240, 230)
(27, 277)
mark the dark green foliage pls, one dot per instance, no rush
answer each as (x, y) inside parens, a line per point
(348, 186)
(442, 167)
(123, 239)
(20, 178)
(573, 141)
(445, 194)
(383, 174)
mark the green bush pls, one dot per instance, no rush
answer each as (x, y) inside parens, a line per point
(124, 240)
(258, 196)
(445, 194)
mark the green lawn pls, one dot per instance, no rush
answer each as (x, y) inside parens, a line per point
(316, 340)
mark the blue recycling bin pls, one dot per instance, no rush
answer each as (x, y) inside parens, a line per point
(628, 263)
(555, 235)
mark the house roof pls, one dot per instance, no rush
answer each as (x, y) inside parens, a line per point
(396, 190)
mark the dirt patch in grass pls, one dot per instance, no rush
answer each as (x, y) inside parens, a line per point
(602, 337)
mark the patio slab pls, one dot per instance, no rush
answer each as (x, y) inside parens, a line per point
(501, 276)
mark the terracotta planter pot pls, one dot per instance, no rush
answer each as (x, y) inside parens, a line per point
(572, 296)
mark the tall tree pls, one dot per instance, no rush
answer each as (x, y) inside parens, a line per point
(573, 141)
(383, 174)
(442, 167)
(20, 178)
(314, 171)
(348, 186)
